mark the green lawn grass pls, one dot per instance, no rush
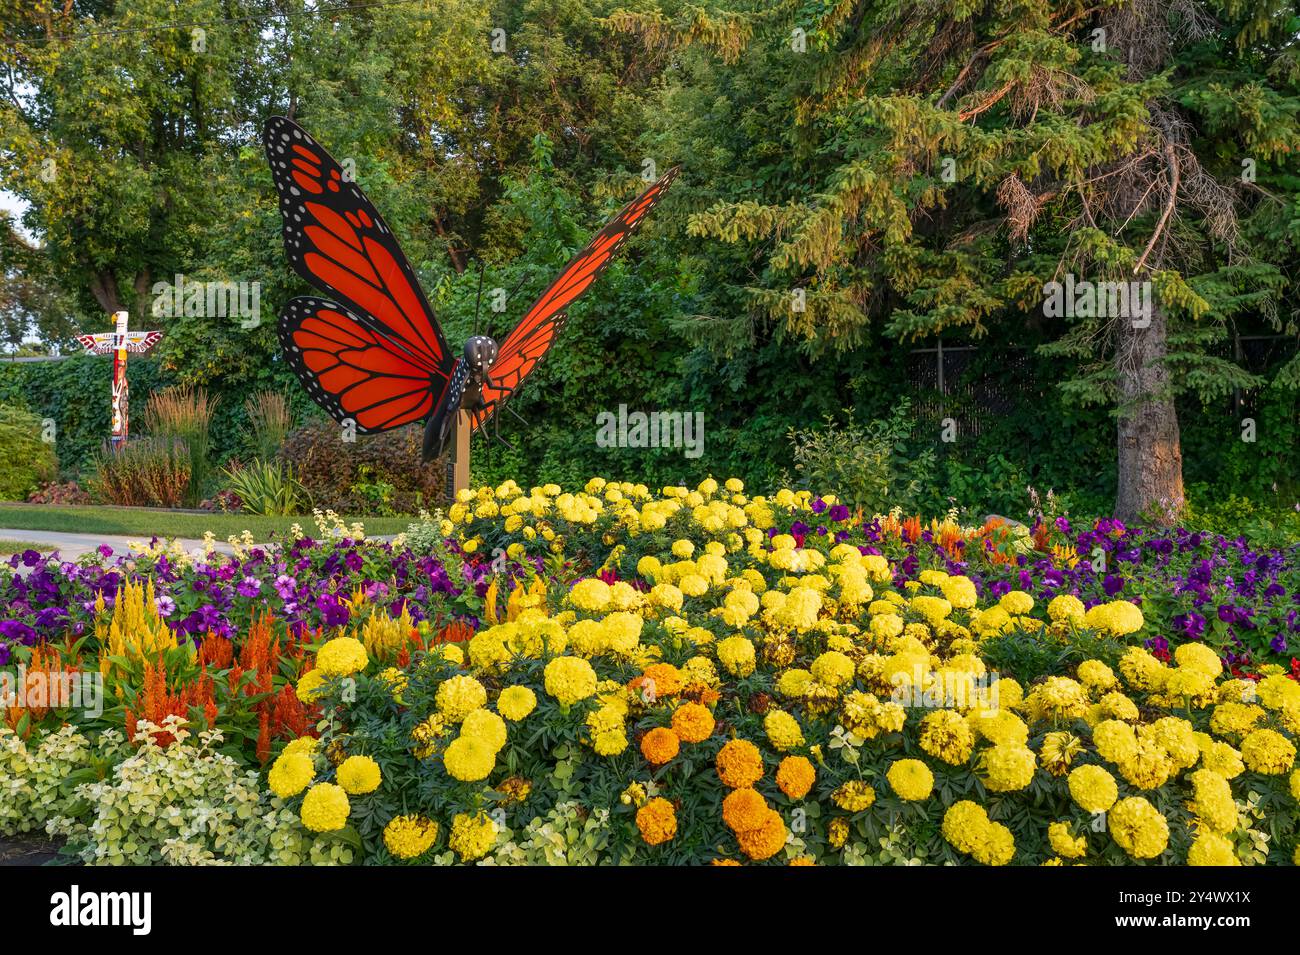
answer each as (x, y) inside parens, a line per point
(146, 521)
(8, 547)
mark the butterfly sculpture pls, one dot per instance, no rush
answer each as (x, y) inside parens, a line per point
(373, 353)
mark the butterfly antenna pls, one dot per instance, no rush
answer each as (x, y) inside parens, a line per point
(518, 286)
(478, 299)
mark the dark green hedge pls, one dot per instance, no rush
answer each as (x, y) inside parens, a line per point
(1015, 427)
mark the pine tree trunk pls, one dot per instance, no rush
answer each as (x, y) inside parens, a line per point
(1150, 453)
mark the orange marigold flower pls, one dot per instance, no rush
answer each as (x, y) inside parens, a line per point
(803, 860)
(659, 745)
(795, 776)
(657, 821)
(765, 841)
(667, 678)
(692, 723)
(724, 862)
(744, 810)
(739, 764)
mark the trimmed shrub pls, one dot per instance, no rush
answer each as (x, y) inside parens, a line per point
(341, 475)
(26, 461)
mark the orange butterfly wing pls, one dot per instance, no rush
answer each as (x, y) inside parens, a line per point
(352, 372)
(336, 240)
(525, 346)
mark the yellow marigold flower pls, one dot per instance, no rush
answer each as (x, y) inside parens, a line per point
(1007, 693)
(1096, 675)
(1141, 670)
(744, 809)
(1197, 656)
(736, 654)
(1147, 765)
(910, 779)
(933, 609)
(1092, 788)
(469, 758)
(1001, 727)
(1178, 738)
(1008, 768)
(739, 764)
(886, 626)
(310, 686)
(516, 702)
(1211, 848)
(693, 723)
(408, 837)
(569, 679)
(958, 591)
(1114, 740)
(657, 821)
(1235, 719)
(359, 775)
(487, 726)
(1016, 602)
(1220, 757)
(649, 567)
(1138, 827)
(342, 656)
(1119, 617)
(1064, 843)
(795, 776)
(764, 841)
(325, 808)
(472, 837)
(1066, 607)
(1057, 698)
(693, 585)
(1212, 800)
(1278, 691)
(946, 735)
(1058, 751)
(1268, 751)
(291, 773)
(667, 596)
(459, 696)
(837, 832)
(782, 730)
(854, 796)
(964, 825)
(793, 683)
(660, 745)
(307, 745)
(1117, 706)
(833, 669)
(591, 594)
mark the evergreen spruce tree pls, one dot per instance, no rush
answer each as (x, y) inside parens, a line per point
(933, 167)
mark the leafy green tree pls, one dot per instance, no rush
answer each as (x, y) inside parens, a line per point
(104, 130)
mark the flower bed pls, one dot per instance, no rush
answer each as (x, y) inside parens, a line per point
(693, 676)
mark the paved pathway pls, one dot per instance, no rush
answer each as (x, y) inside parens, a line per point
(71, 546)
